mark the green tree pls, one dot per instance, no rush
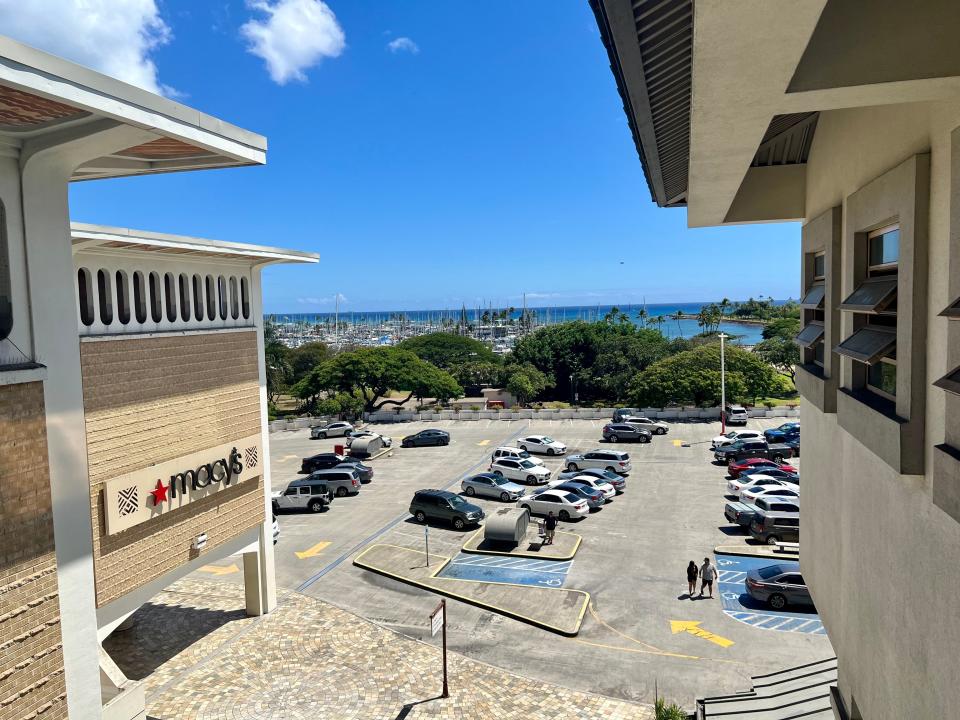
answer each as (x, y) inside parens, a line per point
(477, 373)
(447, 350)
(343, 405)
(371, 373)
(782, 353)
(524, 382)
(305, 358)
(784, 327)
(693, 377)
(276, 362)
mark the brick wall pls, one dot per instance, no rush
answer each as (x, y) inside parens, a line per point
(147, 400)
(31, 657)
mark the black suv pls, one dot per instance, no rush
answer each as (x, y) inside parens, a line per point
(321, 461)
(444, 505)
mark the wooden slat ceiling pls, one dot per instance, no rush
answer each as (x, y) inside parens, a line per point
(164, 149)
(21, 111)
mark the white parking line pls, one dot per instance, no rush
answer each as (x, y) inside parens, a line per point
(780, 625)
(731, 575)
(767, 619)
(799, 628)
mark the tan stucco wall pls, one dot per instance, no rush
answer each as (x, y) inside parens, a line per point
(31, 655)
(880, 556)
(147, 400)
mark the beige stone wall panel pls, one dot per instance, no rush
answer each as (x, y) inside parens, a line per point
(152, 399)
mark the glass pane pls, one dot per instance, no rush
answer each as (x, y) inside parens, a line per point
(818, 353)
(814, 296)
(873, 294)
(885, 249)
(819, 265)
(868, 344)
(883, 376)
(812, 333)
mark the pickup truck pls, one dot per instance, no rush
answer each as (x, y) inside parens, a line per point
(743, 449)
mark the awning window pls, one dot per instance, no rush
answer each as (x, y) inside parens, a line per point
(952, 311)
(950, 382)
(813, 300)
(811, 334)
(868, 344)
(874, 295)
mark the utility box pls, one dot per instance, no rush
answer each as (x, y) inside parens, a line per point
(507, 525)
(364, 447)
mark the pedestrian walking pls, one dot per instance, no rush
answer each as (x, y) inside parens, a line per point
(692, 572)
(550, 525)
(708, 574)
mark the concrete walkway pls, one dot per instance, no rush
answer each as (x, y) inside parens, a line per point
(202, 659)
(564, 547)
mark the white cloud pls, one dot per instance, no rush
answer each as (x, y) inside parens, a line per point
(331, 300)
(115, 37)
(295, 35)
(403, 44)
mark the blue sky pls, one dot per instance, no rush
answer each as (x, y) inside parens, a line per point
(486, 157)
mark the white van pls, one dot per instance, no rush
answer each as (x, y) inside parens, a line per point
(514, 454)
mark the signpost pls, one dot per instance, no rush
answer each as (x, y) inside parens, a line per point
(426, 542)
(438, 623)
(723, 387)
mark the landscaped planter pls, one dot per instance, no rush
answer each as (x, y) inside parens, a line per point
(468, 415)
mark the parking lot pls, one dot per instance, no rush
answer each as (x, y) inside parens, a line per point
(640, 629)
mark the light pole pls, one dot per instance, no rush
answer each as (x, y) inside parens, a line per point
(723, 386)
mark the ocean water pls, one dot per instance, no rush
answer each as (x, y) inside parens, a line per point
(743, 333)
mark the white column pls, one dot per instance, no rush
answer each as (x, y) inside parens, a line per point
(45, 172)
(259, 575)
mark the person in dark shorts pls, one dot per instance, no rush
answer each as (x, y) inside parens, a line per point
(692, 573)
(550, 526)
(708, 573)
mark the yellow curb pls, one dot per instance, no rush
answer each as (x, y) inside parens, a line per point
(471, 601)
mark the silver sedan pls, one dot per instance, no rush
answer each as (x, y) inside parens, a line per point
(490, 485)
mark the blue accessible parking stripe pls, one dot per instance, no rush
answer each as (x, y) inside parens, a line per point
(509, 570)
(738, 604)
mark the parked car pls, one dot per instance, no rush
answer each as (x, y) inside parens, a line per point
(444, 506)
(620, 413)
(613, 460)
(779, 585)
(615, 432)
(657, 428)
(306, 494)
(774, 472)
(342, 481)
(521, 470)
(772, 527)
(618, 481)
(515, 454)
(742, 449)
(743, 513)
(334, 429)
(387, 441)
(783, 433)
(593, 496)
(735, 415)
(364, 471)
(741, 466)
(794, 444)
(320, 461)
(735, 487)
(565, 505)
(491, 485)
(731, 436)
(426, 437)
(595, 483)
(541, 445)
(752, 494)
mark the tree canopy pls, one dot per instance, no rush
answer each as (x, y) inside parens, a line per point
(447, 350)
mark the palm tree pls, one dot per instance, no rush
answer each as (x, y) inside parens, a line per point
(642, 315)
(678, 316)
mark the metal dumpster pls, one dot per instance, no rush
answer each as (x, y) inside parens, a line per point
(364, 447)
(507, 525)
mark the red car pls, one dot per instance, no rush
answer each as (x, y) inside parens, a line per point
(738, 467)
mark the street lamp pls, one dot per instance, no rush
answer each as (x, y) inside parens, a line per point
(723, 386)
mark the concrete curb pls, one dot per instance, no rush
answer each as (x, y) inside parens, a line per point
(467, 548)
(759, 551)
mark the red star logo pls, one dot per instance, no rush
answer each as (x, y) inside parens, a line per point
(159, 493)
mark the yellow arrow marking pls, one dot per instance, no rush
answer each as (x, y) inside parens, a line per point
(693, 628)
(314, 551)
(483, 442)
(219, 569)
(678, 443)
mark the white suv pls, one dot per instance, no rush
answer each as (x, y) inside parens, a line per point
(657, 428)
(334, 429)
(514, 454)
(525, 471)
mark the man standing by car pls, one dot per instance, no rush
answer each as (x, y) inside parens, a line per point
(708, 574)
(549, 526)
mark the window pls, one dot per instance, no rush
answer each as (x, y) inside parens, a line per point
(813, 300)
(211, 298)
(156, 307)
(882, 377)
(123, 297)
(819, 266)
(85, 291)
(184, 297)
(245, 298)
(868, 344)
(884, 249)
(818, 350)
(104, 296)
(139, 298)
(222, 296)
(170, 291)
(950, 382)
(810, 335)
(234, 301)
(874, 295)
(197, 298)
